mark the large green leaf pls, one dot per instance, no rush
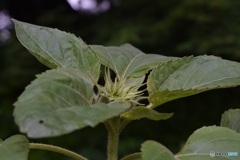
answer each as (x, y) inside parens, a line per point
(231, 119)
(14, 148)
(211, 139)
(206, 140)
(127, 61)
(55, 48)
(191, 75)
(143, 112)
(60, 101)
(152, 150)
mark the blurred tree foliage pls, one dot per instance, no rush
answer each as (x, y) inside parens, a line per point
(173, 28)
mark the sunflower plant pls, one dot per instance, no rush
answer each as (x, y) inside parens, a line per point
(91, 84)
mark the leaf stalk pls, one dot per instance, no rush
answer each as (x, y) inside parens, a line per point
(56, 149)
(114, 126)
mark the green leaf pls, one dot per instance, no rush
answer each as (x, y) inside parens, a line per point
(66, 84)
(210, 139)
(55, 48)
(143, 112)
(231, 119)
(198, 147)
(191, 75)
(152, 150)
(60, 101)
(127, 61)
(15, 147)
(134, 156)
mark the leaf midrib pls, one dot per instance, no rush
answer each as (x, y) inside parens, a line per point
(38, 45)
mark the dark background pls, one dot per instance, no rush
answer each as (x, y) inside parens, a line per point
(171, 28)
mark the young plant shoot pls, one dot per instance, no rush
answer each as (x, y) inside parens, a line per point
(69, 97)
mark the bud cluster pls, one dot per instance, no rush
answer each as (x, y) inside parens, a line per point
(119, 90)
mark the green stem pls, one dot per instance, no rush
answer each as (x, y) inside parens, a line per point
(56, 149)
(114, 127)
(113, 138)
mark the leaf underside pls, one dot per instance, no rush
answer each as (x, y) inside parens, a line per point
(191, 75)
(143, 112)
(15, 147)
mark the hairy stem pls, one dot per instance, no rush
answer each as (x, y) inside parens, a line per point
(114, 127)
(56, 149)
(113, 138)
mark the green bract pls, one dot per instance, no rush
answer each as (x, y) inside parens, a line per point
(71, 95)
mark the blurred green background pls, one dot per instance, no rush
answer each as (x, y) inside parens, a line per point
(171, 28)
